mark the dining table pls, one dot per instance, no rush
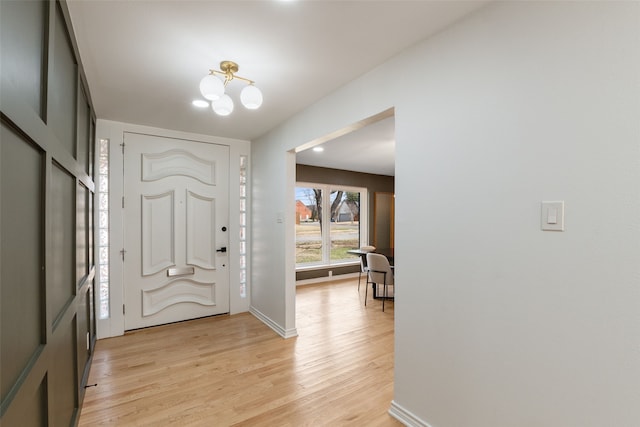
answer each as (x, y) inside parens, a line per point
(387, 252)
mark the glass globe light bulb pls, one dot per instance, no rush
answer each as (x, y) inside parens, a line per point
(251, 97)
(211, 87)
(223, 106)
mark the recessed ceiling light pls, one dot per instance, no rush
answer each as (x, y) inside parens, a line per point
(318, 149)
(200, 103)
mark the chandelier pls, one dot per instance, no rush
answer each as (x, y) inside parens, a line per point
(212, 89)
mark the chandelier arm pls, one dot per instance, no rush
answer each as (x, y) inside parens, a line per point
(244, 79)
(230, 76)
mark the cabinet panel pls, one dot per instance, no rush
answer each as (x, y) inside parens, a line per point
(21, 191)
(83, 132)
(62, 88)
(83, 333)
(22, 35)
(82, 233)
(61, 285)
(31, 411)
(63, 375)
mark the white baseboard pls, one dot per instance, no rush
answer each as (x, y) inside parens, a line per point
(406, 417)
(284, 333)
(323, 279)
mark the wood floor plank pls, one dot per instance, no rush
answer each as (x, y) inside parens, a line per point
(235, 371)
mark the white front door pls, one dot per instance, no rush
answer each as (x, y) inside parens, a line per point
(175, 230)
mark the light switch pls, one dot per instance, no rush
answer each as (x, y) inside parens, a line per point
(552, 216)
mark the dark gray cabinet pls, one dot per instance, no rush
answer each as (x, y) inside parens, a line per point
(47, 322)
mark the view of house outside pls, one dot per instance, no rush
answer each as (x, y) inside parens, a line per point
(342, 214)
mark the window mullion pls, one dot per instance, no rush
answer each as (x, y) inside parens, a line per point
(326, 227)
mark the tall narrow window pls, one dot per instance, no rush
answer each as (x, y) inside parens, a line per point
(244, 160)
(345, 225)
(328, 224)
(103, 229)
(308, 225)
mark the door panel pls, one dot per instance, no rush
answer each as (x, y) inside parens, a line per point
(177, 291)
(200, 227)
(158, 245)
(176, 207)
(177, 162)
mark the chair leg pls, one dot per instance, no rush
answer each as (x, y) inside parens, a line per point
(366, 288)
(359, 276)
(384, 291)
(384, 297)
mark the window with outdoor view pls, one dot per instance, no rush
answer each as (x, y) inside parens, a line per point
(328, 224)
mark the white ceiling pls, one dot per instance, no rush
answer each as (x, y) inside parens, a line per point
(370, 149)
(144, 59)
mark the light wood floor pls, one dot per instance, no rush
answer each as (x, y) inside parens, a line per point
(234, 370)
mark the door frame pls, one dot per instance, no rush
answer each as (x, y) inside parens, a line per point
(114, 133)
(147, 284)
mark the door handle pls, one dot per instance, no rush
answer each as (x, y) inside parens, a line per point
(222, 249)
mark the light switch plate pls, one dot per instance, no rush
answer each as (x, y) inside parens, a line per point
(552, 216)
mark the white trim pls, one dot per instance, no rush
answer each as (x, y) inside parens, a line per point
(406, 417)
(284, 333)
(290, 245)
(326, 266)
(324, 279)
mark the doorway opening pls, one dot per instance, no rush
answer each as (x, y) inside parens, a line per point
(337, 179)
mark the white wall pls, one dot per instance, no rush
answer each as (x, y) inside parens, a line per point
(497, 322)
